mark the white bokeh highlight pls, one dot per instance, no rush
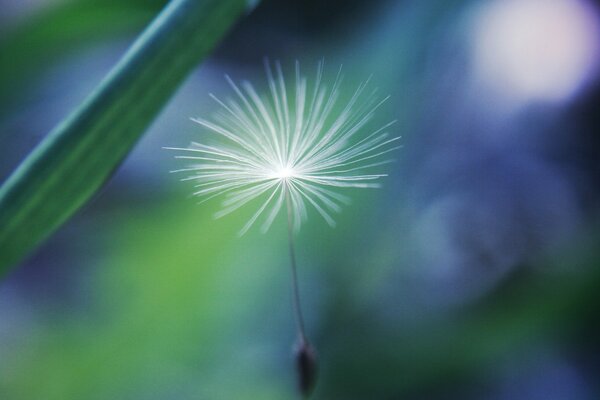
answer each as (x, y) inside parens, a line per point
(535, 50)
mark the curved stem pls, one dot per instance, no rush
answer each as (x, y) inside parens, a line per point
(295, 290)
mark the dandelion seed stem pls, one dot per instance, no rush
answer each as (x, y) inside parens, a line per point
(295, 290)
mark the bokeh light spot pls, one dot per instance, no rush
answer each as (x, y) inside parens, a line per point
(529, 50)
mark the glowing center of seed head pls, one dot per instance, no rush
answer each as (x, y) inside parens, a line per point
(284, 173)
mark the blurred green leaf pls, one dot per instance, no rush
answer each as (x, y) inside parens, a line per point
(184, 318)
(28, 47)
(528, 308)
(79, 155)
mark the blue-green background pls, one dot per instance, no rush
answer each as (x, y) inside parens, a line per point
(472, 274)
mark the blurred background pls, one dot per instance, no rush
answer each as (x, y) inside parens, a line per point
(474, 273)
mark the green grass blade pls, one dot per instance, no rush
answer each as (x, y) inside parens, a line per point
(28, 47)
(78, 156)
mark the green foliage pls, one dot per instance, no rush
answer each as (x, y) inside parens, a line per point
(526, 309)
(29, 47)
(174, 321)
(79, 155)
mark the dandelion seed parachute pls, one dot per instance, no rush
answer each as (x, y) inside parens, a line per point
(289, 146)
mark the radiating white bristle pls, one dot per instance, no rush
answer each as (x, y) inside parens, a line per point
(294, 142)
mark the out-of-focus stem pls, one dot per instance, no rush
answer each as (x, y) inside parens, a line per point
(295, 290)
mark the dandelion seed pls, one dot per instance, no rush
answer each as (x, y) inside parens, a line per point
(290, 148)
(289, 145)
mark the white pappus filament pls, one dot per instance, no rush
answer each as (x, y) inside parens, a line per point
(297, 146)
